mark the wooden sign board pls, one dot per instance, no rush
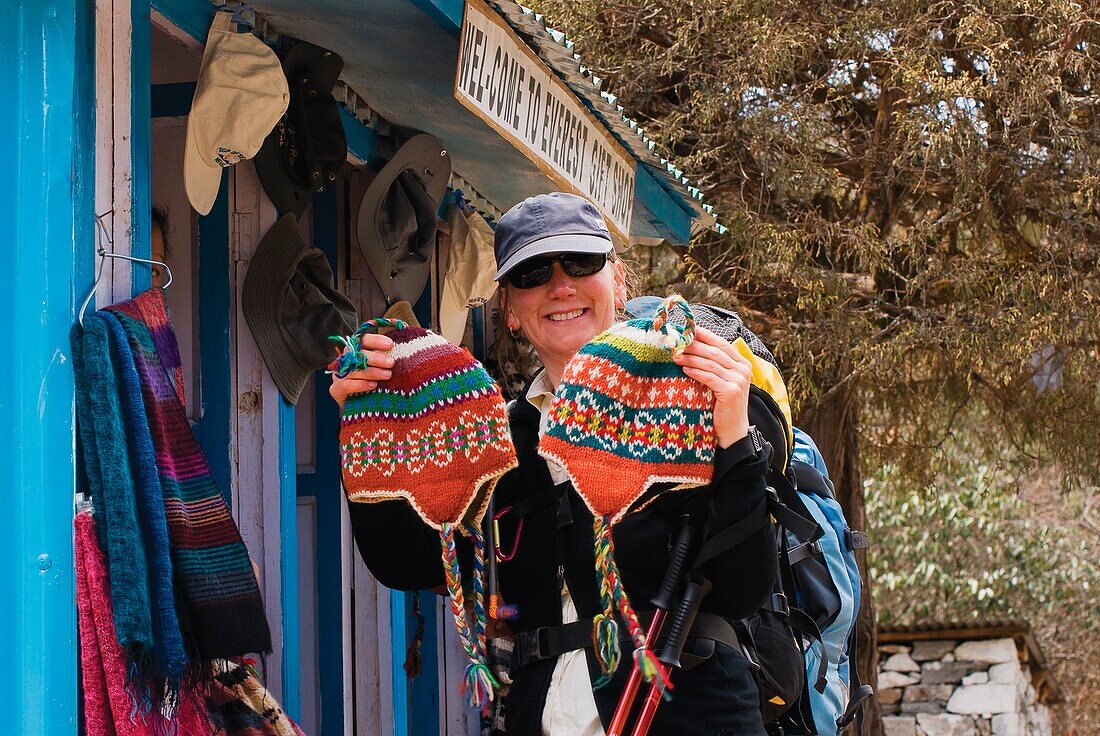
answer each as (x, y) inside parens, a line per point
(501, 80)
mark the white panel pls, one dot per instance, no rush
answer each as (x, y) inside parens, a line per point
(255, 418)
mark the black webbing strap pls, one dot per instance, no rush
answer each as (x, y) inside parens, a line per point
(733, 535)
(802, 623)
(547, 642)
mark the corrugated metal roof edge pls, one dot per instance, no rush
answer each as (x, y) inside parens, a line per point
(1020, 631)
(557, 51)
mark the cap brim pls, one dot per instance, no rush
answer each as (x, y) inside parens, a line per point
(201, 180)
(574, 243)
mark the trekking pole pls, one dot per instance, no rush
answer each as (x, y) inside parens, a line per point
(663, 603)
(670, 655)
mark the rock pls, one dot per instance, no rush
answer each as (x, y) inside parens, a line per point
(891, 710)
(981, 727)
(921, 708)
(976, 678)
(899, 726)
(1008, 724)
(992, 651)
(934, 673)
(889, 697)
(893, 649)
(927, 693)
(949, 657)
(926, 651)
(887, 680)
(992, 697)
(901, 662)
(945, 724)
(1007, 672)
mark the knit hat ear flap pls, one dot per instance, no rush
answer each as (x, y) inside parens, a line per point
(436, 434)
(623, 404)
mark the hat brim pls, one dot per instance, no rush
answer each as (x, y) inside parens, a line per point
(563, 243)
(200, 179)
(261, 296)
(425, 156)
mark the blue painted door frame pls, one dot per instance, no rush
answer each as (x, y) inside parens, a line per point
(47, 221)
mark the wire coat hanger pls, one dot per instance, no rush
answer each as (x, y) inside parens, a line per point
(104, 254)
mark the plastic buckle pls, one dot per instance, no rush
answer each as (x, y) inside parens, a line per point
(779, 604)
(855, 539)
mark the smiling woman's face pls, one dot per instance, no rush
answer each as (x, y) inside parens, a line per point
(566, 312)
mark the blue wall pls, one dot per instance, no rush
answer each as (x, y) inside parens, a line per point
(46, 221)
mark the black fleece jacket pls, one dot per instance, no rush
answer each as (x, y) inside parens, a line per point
(556, 545)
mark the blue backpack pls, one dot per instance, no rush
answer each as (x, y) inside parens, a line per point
(801, 643)
(826, 587)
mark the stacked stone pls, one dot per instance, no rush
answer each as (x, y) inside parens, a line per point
(947, 688)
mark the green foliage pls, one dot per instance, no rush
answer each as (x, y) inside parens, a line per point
(969, 549)
(911, 192)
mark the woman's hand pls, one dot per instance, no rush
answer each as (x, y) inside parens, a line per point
(716, 364)
(376, 349)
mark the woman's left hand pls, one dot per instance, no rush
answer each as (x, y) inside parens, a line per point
(716, 364)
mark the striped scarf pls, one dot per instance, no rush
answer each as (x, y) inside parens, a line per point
(169, 657)
(216, 585)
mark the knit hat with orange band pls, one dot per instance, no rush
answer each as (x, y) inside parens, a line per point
(436, 434)
(624, 418)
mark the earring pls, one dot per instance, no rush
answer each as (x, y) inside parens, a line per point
(515, 333)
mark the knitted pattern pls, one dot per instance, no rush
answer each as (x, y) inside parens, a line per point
(623, 404)
(217, 588)
(436, 434)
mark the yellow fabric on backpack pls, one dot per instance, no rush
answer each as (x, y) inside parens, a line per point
(766, 376)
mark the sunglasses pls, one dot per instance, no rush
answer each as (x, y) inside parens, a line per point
(536, 271)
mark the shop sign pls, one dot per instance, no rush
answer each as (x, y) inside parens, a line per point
(501, 80)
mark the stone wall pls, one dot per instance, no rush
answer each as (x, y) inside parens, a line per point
(951, 688)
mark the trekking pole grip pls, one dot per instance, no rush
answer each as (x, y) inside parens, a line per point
(677, 564)
(682, 622)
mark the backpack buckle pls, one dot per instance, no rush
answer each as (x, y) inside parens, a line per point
(856, 540)
(779, 604)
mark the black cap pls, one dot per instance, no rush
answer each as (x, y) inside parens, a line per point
(307, 147)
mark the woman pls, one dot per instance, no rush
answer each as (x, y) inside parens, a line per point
(560, 287)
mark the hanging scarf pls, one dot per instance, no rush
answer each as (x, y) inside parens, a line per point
(110, 709)
(107, 461)
(210, 560)
(169, 657)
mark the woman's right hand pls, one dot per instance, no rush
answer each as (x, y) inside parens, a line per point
(376, 348)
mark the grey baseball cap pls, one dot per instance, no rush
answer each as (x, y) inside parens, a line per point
(549, 223)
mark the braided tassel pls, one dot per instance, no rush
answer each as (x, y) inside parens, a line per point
(351, 356)
(605, 628)
(676, 338)
(479, 588)
(478, 684)
(645, 658)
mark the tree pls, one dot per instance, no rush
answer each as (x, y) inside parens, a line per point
(912, 196)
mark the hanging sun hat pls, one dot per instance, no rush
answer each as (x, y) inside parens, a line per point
(623, 403)
(397, 218)
(436, 434)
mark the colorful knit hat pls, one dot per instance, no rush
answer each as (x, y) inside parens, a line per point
(623, 404)
(436, 434)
